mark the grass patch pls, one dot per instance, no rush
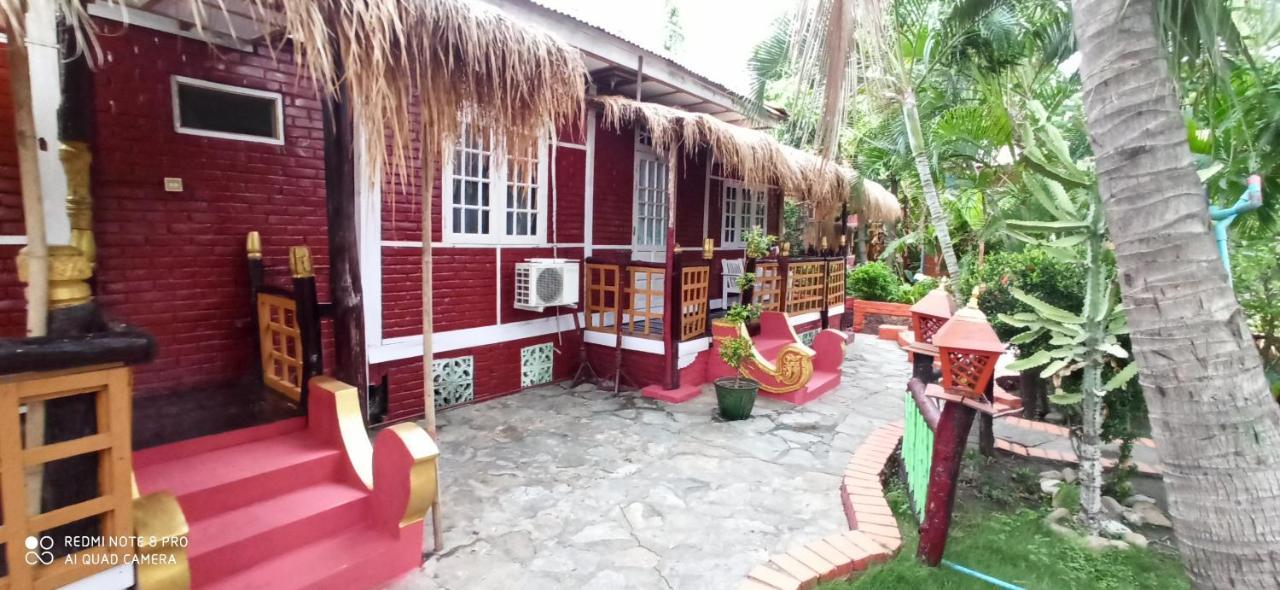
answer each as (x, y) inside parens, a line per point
(1012, 544)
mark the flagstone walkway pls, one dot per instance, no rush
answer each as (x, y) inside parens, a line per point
(557, 488)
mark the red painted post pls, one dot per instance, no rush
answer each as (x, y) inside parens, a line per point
(948, 450)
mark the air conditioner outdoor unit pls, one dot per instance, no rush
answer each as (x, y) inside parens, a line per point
(546, 282)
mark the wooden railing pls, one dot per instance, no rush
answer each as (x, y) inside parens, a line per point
(288, 323)
(633, 295)
(98, 511)
(806, 286)
(695, 282)
(643, 314)
(835, 282)
(767, 292)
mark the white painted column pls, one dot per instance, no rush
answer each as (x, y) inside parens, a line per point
(589, 195)
(46, 96)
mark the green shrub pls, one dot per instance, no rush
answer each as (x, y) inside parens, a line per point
(740, 314)
(909, 294)
(873, 281)
(1035, 271)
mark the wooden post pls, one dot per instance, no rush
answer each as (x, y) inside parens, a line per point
(986, 425)
(948, 451)
(428, 165)
(345, 289)
(670, 298)
(308, 316)
(35, 256)
(253, 256)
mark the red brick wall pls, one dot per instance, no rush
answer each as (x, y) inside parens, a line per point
(467, 293)
(173, 263)
(614, 180)
(494, 376)
(13, 320)
(640, 368)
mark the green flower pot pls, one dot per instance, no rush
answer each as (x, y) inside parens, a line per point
(737, 400)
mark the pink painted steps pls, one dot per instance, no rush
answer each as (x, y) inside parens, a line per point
(787, 369)
(289, 505)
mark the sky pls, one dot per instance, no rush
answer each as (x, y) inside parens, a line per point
(718, 34)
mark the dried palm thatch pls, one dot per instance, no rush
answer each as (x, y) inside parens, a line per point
(433, 58)
(876, 203)
(752, 155)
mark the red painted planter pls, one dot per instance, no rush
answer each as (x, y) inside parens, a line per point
(882, 312)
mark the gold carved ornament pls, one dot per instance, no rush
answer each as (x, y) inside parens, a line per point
(793, 369)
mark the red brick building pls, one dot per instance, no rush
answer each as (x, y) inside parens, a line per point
(174, 201)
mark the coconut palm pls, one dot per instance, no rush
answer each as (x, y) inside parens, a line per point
(1209, 403)
(917, 58)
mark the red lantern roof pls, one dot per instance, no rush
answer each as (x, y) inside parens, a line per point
(968, 329)
(937, 304)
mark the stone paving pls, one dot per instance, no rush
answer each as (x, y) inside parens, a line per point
(558, 488)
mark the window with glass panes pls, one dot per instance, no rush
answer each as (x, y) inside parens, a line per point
(478, 169)
(649, 213)
(522, 195)
(469, 202)
(743, 207)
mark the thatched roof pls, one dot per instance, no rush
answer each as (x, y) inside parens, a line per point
(876, 203)
(438, 58)
(755, 156)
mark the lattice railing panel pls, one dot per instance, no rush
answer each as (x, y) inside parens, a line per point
(99, 453)
(917, 454)
(806, 287)
(603, 296)
(835, 282)
(767, 292)
(280, 343)
(694, 291)
(643, 316)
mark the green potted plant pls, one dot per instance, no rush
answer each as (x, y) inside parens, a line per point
(736, 395)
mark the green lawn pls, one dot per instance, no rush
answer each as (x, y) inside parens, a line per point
(1014, 545)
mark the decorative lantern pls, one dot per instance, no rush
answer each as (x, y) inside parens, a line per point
(968, 348)
(708, 249)
(786, 249)
(930, 313)
(824, 243)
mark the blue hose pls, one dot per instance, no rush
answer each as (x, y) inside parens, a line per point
(981, 576)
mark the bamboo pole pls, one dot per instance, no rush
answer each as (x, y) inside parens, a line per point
(428, 165)
(36, 252)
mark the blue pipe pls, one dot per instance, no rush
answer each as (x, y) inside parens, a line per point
(1222, 218)
(981, 576)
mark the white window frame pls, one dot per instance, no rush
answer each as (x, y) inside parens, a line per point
(498, 185)
(644, 151)
(276, 97)
(742, 221)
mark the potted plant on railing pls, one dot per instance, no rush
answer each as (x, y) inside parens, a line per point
(736, 395)
(758, 245)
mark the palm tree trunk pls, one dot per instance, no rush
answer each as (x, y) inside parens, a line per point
(1217, 427)
(915, 136)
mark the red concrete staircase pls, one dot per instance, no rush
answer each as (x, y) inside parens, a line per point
(786, 368)
(302, 503)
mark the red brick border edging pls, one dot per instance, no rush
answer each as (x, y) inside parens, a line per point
(873, 536)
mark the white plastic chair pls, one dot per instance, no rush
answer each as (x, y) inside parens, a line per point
(730, 270)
